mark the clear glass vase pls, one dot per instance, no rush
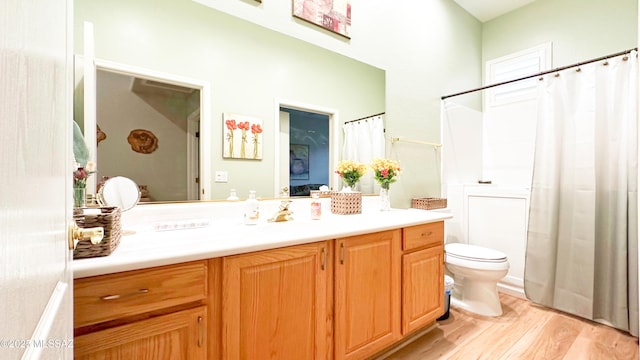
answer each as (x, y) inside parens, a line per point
(350, 188)
(385, 203)
(79, 197)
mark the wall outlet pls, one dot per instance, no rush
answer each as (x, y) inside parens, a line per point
(222, 176)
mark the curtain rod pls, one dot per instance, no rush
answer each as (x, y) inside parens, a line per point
(541, 73)
(366, 117)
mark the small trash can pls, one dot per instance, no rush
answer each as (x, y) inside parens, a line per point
(448, 288)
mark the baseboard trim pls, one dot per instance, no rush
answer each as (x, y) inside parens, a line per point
(512, 290)
(408, 340)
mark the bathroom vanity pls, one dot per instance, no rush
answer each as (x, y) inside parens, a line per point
(343, 287)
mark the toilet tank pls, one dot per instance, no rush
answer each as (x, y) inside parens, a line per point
(496, 217)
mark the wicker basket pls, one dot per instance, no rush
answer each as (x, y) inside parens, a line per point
(346, 203)
(109, 219)
(321, 194)
(428, 203)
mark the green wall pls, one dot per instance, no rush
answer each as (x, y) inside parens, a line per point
(433, 48)
(579, 29)
(247, 65)
(427, 49)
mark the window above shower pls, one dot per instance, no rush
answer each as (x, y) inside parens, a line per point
(514, 66)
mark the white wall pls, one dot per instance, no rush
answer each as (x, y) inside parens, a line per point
(119, 111)
(509, 141)
(462, 135)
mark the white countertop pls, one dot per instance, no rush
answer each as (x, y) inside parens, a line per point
(229, 236)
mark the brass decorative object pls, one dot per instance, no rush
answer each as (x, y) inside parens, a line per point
(283, 213)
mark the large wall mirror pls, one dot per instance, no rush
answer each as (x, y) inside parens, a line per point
(154, 122)
(133, 114)
(246, 69)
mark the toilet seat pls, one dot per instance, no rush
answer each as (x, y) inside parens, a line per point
(475, 257)
(474, 253)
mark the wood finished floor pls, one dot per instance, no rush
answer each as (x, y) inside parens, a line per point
(524, 331)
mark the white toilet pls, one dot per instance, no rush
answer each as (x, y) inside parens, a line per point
(476, 271)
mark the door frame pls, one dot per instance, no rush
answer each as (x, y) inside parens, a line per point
(205, 112)
(334, 137)
(194, 182)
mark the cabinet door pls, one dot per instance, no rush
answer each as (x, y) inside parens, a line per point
(367, 294)
(180, 335)
(275, 304)
(422, 288)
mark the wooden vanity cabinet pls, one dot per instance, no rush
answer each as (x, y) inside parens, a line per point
(276, 304)
(348, 298)
(157, 313)
(367, 293)
(422, 275)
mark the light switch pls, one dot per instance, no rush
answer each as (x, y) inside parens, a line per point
(222, 176)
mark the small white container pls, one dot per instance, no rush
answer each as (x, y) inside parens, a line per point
(251, 209)
(316, 206)
(233, 196)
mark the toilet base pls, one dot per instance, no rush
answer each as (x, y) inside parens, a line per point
(478, 297)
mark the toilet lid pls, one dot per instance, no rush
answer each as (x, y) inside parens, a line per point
(475, 253)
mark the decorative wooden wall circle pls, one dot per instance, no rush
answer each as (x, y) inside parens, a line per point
(100, 135)
(142, 141)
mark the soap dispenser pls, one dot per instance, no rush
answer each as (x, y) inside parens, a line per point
(251, 209)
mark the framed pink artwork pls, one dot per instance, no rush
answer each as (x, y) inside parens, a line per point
(333, 15)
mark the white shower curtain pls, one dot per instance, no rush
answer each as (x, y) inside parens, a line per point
(363, 142)
(583, 236)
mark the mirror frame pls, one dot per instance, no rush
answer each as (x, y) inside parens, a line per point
(205, 159)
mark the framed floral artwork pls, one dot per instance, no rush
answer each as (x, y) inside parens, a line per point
(242, 137)
(333, 15)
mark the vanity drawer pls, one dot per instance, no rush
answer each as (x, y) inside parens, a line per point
(108, 297)
(422, 235)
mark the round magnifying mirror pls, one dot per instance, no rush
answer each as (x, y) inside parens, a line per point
(119, 191)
